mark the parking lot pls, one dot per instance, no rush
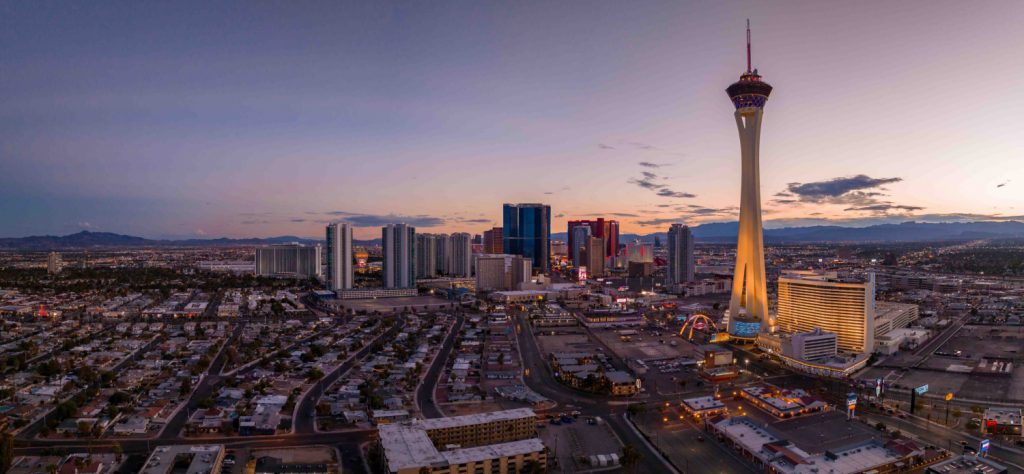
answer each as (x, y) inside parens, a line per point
(574, 439)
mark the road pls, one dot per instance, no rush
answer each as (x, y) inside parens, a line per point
(205, 389)
(305, 419)
(541, 380)
(32, 429)
(943, 437)
(425, 392)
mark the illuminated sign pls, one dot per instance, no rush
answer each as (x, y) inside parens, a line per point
(878, 387)
(922, 389)
(745, 329)
(984, 446)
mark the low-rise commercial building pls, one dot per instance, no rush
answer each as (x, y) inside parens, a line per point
(1001, 421)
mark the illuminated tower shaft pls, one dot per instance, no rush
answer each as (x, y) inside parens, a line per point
(748, 307)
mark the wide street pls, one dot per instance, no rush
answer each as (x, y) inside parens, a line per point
(540, 379)
(425, 392)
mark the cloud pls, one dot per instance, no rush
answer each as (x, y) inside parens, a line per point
(373, 220)
(648, 175)
(623, 214)
(838, 187)
(85, 225)
(664, 205)
(548, 192)
(559, 216)
(674, 194)
(658, 222)
(859, 193)
(1004, 183)
(885, 208)
(298, 219)
(605, 147)
(643, 146)
(646, 183)
(648, 164)
(340, 213)
(476, 221)
(200, 232)
(255, 221)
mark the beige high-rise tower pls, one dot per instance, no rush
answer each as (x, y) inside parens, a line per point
(748, 307)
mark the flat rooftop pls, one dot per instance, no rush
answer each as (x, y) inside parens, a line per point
(475, 419)
(204, 458)
(408, 446)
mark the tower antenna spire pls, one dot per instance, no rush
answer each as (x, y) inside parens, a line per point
(749, 68)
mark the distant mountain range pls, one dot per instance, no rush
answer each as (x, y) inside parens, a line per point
(722, 232)
(725, 232)
(86, 240)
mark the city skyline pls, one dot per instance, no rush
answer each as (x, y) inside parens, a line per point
(258, 122)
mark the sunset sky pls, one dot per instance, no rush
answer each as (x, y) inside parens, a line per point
(251, 120)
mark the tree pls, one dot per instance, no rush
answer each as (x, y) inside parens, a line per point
(630, 458)
(314, 374)
(635, 409)
(6, 451)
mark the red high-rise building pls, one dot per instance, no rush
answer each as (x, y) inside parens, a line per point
(605, 229)
(493, 241)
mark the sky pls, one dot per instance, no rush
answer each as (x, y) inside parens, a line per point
(256, 119)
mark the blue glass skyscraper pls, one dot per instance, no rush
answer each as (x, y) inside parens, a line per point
(527, 232)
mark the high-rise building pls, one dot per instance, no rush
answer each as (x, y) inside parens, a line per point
(443, 245)
(578, 236)
(605, 229)
(502, 272)
(493, 241)
(527, 232)
(639, 252)
(748, 307)
(595, 256)
(822, 300)
(462, 255)
(399, 248)
(288, 260)
(680, 255)
(426, 255)
(54, 264)
(339, 256)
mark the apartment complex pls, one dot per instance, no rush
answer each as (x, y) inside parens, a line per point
(489, 443)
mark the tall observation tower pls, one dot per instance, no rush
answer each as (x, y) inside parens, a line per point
(748, 307)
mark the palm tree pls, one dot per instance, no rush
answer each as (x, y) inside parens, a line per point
(630, 458)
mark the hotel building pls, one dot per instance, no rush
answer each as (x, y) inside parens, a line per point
(810, 300)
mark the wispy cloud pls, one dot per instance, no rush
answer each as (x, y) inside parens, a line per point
(605, 147)
(664, 192)
(648, 164)
(643, 146)
(646, 183)
(885, 208)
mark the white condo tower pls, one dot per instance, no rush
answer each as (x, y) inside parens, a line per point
(748, 307)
